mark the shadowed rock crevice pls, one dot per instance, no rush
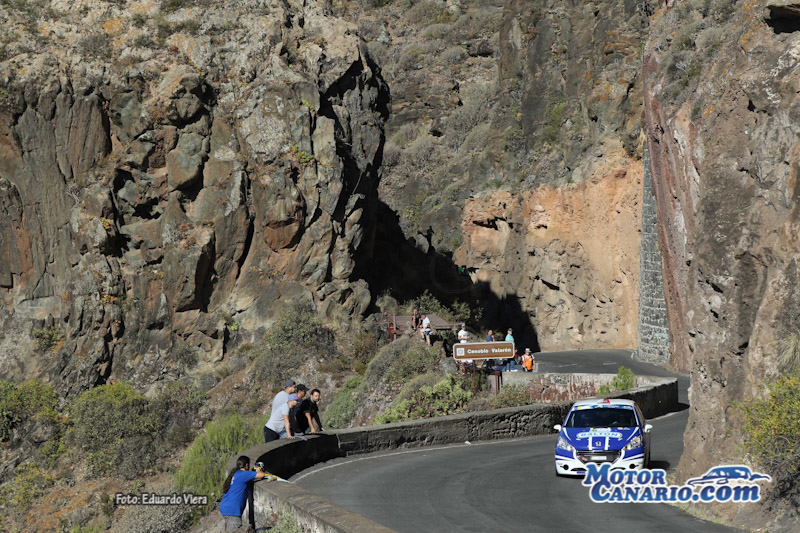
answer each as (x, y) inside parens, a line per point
(783, 18)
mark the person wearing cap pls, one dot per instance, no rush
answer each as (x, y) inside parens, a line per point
(279, 400)
(278, 426)
(297, 413)
(463, 334)
(527, 360)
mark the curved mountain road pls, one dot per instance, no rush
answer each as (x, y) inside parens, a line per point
(504, 486)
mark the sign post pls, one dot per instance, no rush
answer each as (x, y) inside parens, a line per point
(483, 350)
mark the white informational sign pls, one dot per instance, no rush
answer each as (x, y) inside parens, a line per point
(483, 350)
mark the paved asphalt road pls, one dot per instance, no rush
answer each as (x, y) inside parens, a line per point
(503, 486)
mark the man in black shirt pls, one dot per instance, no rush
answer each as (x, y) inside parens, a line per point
(314, 410)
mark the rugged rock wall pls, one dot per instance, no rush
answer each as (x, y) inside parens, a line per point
(721, 109)
(565, 251)
(177, 176)
(546, 253)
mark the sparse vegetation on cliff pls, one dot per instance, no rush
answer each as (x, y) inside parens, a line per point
(31, 399)
(447, 397)
(203, 468)
(345, 403)
(124, 433)
(296, 336)
(772, 433)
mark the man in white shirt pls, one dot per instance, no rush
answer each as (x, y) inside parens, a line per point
(463, 335)
(426, 329)
(278, 426)
(280, 399)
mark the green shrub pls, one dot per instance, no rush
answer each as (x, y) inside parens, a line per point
(295, 337)
(429, 304)
(29, 483)
(175, 409)
(398, 362)
(96, 43)
(170, 6)
(183, 354)
(202, 470)
(426, 12)
(298, 325)
(477, 99)
(553, 119)
(345, 403)
(19, 402)
(112, 425)
(424, 380)
(510, 396)
(447, 397)
(139, 19)
(287, 523)
(624, 380)
(772, 433)
(48, 338)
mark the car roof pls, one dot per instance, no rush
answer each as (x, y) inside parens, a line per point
(604, 402)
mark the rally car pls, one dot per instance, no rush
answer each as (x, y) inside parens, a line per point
(602, 431)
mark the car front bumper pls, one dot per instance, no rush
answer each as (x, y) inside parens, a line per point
(573, 466)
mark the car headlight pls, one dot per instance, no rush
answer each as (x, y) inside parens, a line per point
(635, 442)
(564, 445)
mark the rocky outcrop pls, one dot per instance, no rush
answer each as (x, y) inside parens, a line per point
(547, 251)
(179, 184)
(564, 250)
(721, 107)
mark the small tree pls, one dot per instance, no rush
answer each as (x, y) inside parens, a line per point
(624, 380)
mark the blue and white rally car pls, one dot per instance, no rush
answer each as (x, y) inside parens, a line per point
(602, 431)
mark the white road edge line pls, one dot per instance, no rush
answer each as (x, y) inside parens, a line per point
(665, 416)
(413, 450)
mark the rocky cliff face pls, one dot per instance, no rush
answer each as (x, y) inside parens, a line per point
(566, 250)
(179, 174)
(721, 108)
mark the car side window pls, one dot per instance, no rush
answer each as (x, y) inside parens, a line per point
(642, 420)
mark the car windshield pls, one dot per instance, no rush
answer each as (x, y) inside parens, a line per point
(605, 417)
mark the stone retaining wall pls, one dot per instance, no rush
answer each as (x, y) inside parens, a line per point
(317, 515)
(653, 328)
(554, 387)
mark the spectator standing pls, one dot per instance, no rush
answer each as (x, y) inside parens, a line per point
(426, 329)
(490, 336)
(279, 426)
(236, 490)
(280, 399)
(510, 366)
(416, 320)
(463, 334)
(300, 415)
(527, 360)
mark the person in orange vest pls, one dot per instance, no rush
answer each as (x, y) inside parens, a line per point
(527, 360)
